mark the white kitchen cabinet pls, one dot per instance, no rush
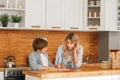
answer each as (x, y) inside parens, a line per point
(28, 77)
(35, 14)
(111, 15)
(103, 77)
(54, 14)
(94, 14)
(64, 14)
(100, 15)
(73, 14)
(1, 75)
(13, 7)
(118, 14)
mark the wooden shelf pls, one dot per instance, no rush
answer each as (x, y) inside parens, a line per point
(94, 6)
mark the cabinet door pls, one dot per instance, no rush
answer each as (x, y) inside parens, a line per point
(73, 14)
(35, 13)
(118, 15)
(110, 15)
(1, 76)
(53, 14)
(28, 77)
(94, 14)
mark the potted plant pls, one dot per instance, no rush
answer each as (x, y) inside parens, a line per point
(16, 20)
(4, 18)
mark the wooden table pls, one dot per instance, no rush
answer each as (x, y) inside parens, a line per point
(86, 72)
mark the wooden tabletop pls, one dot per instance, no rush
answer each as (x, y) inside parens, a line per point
(85, 70)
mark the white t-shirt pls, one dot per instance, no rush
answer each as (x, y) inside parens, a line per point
(44, 60)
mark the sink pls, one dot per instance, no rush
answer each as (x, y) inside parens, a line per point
(90, 63)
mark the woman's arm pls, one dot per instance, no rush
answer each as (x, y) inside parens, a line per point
(59, 55)
(78, 57)
(75, 56)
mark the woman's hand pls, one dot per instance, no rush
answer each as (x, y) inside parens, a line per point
(76, 46)
(60, 66)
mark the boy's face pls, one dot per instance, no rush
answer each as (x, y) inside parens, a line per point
(43, 50)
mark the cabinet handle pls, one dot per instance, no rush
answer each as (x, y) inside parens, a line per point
(56, 27)
(93, 27)
(74, 27)
(36, 26)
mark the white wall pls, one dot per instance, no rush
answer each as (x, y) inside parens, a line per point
(114, 40)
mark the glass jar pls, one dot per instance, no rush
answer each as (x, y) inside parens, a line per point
(97, 3)
(104, 65)
(91, 3)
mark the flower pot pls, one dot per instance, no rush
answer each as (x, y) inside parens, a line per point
(16, 25)
(4, 24)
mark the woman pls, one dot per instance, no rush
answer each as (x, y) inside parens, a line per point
(39, 59)
(70, 54)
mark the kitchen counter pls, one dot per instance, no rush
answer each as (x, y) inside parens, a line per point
(85, 70)
(2, 68)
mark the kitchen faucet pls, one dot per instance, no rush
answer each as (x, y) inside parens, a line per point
(89, 57)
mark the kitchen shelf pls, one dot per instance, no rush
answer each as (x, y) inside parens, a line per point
(93, 17)
(93, 14)
(93, 6)
(14, 9)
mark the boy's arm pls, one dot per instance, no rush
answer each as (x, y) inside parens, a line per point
(33, 62)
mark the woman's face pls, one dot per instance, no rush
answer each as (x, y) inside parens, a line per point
(69, 44)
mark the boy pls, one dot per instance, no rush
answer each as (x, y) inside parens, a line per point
(39, 59)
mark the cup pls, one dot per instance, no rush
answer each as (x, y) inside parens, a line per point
(19, 6)
(97, 3)
(89, 14)
(91, 3)
(95, 14)
(104, 65)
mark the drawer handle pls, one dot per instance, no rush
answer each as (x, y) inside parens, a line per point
(36, 26)
(74, 27)
(93, 27)
(56, 27)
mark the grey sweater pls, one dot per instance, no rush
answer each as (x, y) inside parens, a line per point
(60, 58)
(35, 61)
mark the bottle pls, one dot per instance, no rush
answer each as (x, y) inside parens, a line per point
(69, 65)
(95, 14)
(89, 14)
(97, 3)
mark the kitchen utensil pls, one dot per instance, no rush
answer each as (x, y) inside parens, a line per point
(10, 61)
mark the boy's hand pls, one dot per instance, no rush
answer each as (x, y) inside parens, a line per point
(60, 66)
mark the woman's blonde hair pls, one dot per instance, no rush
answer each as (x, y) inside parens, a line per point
(73, 37)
